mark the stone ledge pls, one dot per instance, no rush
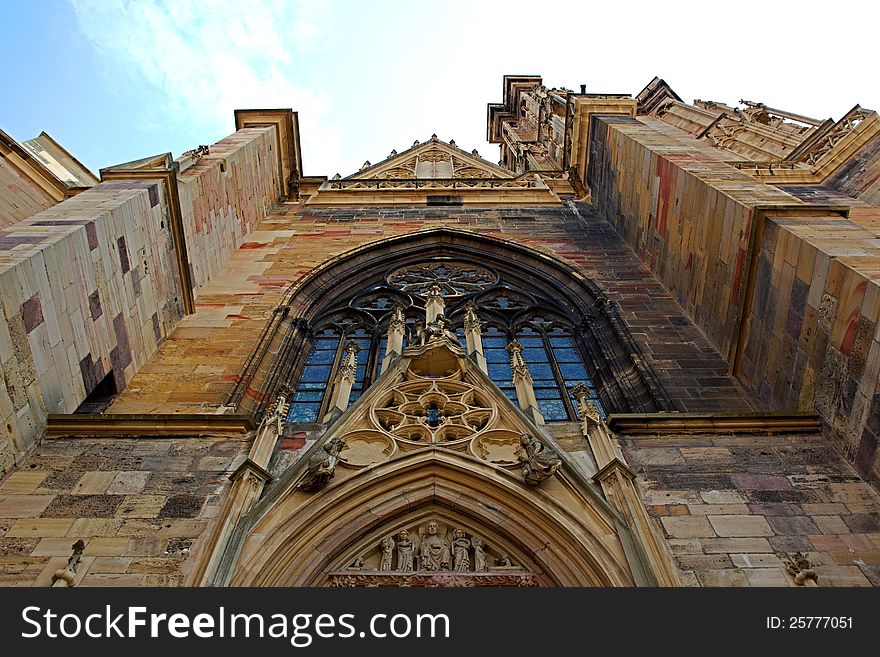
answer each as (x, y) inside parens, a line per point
(82, 425)
(666, 423)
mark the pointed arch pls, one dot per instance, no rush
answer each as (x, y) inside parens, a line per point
(291, 538)
(625, 379)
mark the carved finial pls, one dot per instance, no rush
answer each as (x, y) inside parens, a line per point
(452, 142)
(322, 466)
(471, 318)
(434, 136)
(365, 165)
(800, 567)
(539, 461)
(475, 152)
(65, 576)
(416, 143)
(587, 409)
(392, 153)
(279, 408)
(338, 176)
(348, 366)
(514, 348)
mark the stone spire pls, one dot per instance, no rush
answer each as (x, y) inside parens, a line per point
(474, 337)
(396, 330)
(345, 378)
(435, 306)
(522, 379)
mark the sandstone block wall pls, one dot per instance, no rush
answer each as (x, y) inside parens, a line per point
(811, 325)
(202, 358)
(139, 506)
(731, 505)
(91, 285)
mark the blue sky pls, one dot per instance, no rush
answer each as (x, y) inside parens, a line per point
(116, 80)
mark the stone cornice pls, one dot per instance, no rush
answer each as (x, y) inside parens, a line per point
(666, 423)
(109, 425)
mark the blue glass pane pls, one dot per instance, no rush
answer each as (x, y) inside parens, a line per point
(535, 355)
(496, 355)
(315, 373)
(308, 395)
(552, 409)
(499, 371)
(311, 385)
(530, 342)
(573, 371)
(567, 355)
(303, 413)
(325, 343)
(562, 342)
(510, 393)
(547, 393)
(499, 343)
(541, 371)
(322, 356)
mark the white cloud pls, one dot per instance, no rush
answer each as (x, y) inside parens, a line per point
(209, 57)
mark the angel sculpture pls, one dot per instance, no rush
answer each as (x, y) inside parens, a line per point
(405, 555)
(479, 555)
(460, 556)
(387, 546)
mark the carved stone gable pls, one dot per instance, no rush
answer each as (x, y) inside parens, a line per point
(432, 159)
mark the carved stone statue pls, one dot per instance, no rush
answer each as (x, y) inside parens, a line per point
(322, 466)
(479, 555)
(418, 337)
(433, 550)
(387, 546)
(539, 462)
(800, 567)
(404, 552)
(441, 328)
(460, 556)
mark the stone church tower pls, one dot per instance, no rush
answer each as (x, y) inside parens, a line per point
(640, 350)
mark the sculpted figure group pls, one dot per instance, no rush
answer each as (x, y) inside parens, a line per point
(433, 552)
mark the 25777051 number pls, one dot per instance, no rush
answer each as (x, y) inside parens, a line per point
(809, 622)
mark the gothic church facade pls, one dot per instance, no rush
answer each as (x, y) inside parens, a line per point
(640, 350)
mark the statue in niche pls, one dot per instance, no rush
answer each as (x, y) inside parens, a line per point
(404, 551)
(418, 337)
(322, 466)
(387, 547)
(357, 564)
(433, 550)
(479, 555)
(461, 559)
(539, 462)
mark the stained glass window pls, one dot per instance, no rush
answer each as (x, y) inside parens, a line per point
(508, 307)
